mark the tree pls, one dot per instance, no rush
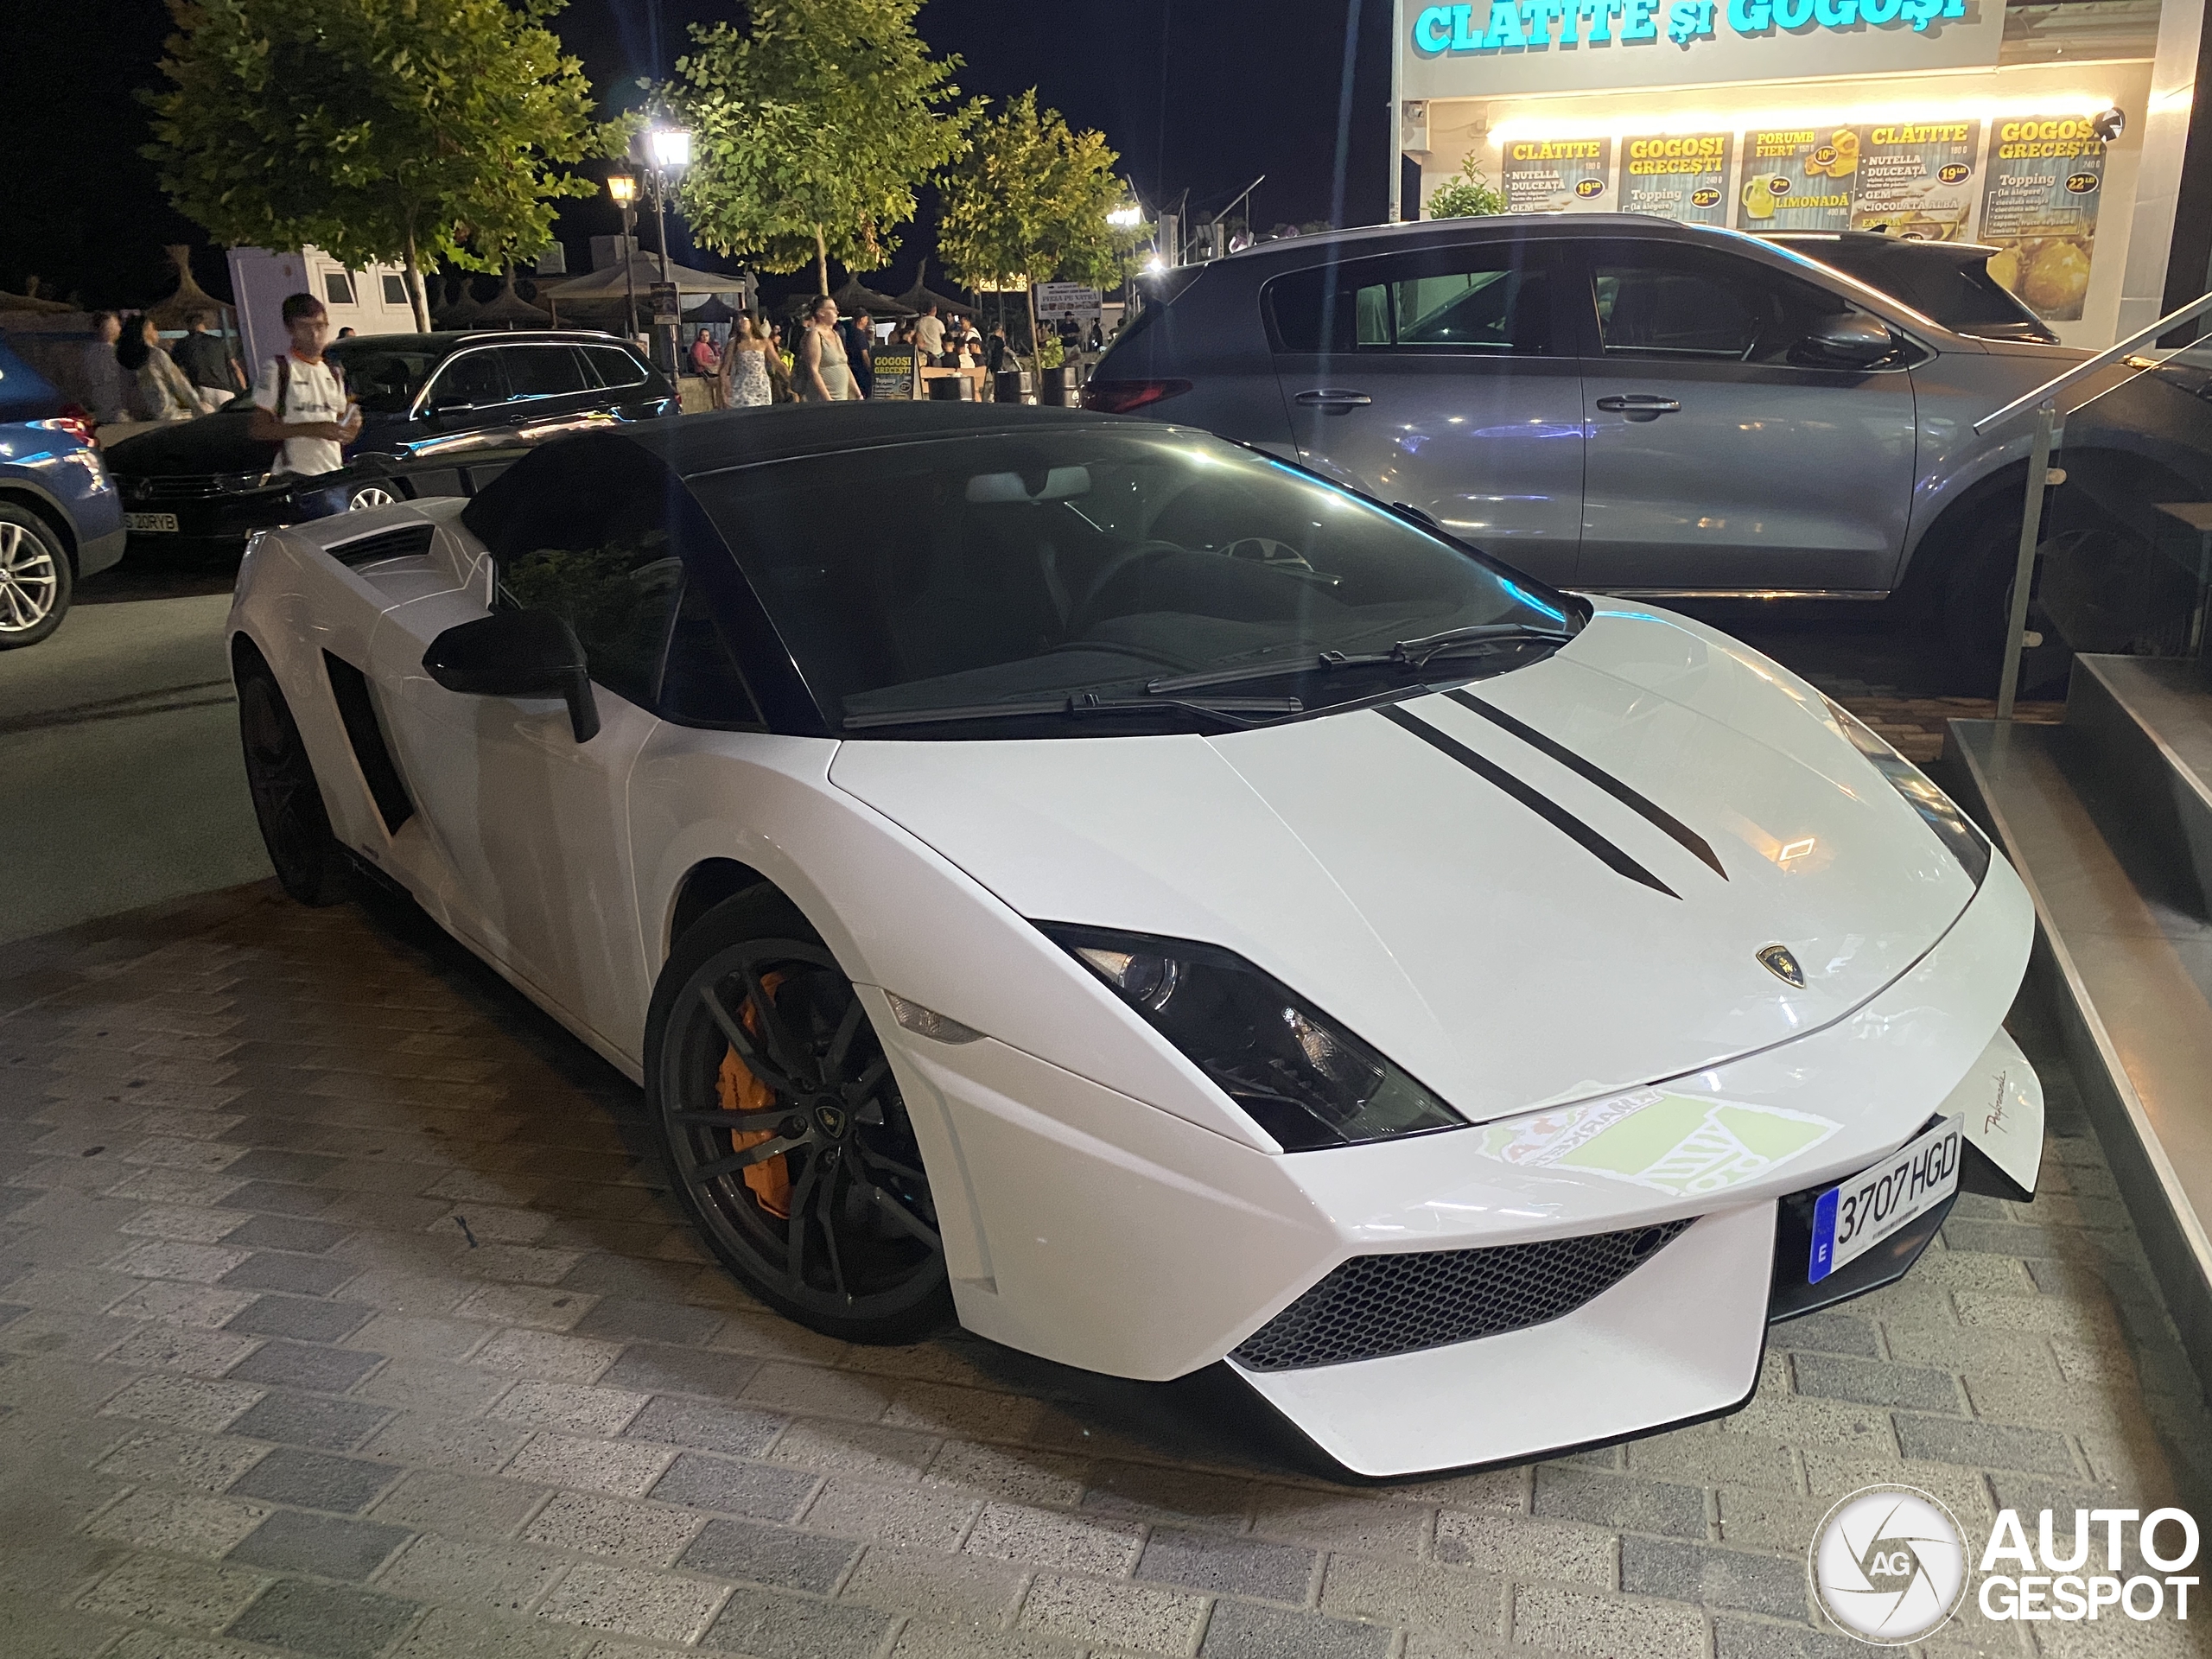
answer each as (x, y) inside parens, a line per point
(410, 131)
(1028, 203)
(1467, 194)
(812, 130)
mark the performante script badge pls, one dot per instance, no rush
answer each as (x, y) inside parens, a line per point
(1777, 960)
(1889, 1565)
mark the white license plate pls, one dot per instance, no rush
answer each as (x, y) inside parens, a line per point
(150, 521)
(1852, 1219)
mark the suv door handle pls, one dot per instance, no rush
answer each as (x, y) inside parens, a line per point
(1328, 398)
(1649, 407)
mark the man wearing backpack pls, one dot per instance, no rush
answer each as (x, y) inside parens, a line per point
(300, 402)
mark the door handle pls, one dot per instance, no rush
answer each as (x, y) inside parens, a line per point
(1648, 408)
(1328, 398)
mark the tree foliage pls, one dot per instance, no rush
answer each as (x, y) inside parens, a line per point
(812, 129)
(1028, 203)
(408, 131)
(1467, 194)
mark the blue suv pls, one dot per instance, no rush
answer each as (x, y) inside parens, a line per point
(61, 519)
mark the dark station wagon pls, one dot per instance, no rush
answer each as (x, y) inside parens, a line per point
(442, 414)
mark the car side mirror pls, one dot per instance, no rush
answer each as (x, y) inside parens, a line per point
(1850, 340)
(517, 654)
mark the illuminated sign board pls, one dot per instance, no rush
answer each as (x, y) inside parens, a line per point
(1481, 48)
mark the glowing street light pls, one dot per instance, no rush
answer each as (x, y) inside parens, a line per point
(670, 148)
(623, 188)
(1125, 218)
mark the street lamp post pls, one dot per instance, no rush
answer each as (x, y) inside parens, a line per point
(623, 188)
(666, 151)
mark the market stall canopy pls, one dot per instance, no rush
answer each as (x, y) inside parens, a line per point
(462, 310)
(509, 309)
(919, 296)
(852, 299)
(608, 282)
(29, 303)
(713, 311)
(189, 300)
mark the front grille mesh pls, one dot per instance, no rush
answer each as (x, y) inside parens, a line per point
(1375, 1305)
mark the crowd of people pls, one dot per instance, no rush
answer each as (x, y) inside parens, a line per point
(825, 357)
(135, 377)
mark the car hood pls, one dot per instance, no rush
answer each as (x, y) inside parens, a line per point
(1511, 929)
(212, 443)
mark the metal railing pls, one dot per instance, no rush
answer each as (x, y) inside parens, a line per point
(2048, 433)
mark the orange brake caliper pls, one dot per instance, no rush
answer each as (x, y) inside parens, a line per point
(770, 1178)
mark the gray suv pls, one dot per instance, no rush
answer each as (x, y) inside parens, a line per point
(1625, 404)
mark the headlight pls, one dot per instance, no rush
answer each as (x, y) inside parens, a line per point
(1952, 827)
(1298, 1074)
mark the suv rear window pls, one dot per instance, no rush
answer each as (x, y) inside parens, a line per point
(1951, 286)
(615, 367)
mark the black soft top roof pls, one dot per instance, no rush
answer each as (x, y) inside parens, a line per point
(697, 446)
(692, 445)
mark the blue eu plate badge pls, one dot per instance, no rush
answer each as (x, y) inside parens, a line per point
(1850, 1219)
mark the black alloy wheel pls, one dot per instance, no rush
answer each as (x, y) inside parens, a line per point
(784, 1130)
(286, 801)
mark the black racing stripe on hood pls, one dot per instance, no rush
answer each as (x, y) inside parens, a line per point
(1549, 811)
(1696, 844)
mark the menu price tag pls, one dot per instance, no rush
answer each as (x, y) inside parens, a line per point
(1551, 175)
(1916, 178)
(1798, 179)
(2040, 208)
(1682, 176)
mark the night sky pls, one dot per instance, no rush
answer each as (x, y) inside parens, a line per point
(1203, 95)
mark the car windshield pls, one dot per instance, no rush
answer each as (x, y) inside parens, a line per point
(950, 575)
(1953, 287)
(385, 379)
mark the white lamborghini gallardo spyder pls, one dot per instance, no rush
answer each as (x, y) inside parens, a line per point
(1102, 884)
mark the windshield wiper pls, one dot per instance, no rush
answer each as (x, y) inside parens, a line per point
(1410, 653)
(1228, 710)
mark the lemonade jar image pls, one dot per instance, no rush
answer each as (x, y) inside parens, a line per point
(1758, 198)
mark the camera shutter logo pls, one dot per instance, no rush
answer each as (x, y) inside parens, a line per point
(1889, 1565)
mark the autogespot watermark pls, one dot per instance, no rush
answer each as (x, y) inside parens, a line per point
(1889, 1566)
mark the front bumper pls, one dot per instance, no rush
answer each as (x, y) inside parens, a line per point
(1085, 1226)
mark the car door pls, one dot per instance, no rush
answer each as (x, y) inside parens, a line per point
(530, 822)
(1720, 458)
(1446, 379)
(465, 407)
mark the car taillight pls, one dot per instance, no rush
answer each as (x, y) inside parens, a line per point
(76, 420)
(1125, 397)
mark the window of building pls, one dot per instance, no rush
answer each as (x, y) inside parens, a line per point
(338, 287)
(395, 292)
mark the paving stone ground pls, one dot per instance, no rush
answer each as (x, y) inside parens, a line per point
(342, 1314)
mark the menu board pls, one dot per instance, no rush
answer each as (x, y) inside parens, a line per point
(1680, 176)
(894, 372)
(2039, 207)
(1916, 178)
(1550, 175)
(1797, 179)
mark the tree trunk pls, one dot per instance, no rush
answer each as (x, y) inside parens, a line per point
(415, 295)
(1036, 340)
(821, 263)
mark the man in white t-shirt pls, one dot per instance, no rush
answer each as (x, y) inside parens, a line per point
(929, 334)
(298, 400)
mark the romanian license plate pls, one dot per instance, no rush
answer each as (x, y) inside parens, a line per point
(1852, 1219)
(150, 521)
